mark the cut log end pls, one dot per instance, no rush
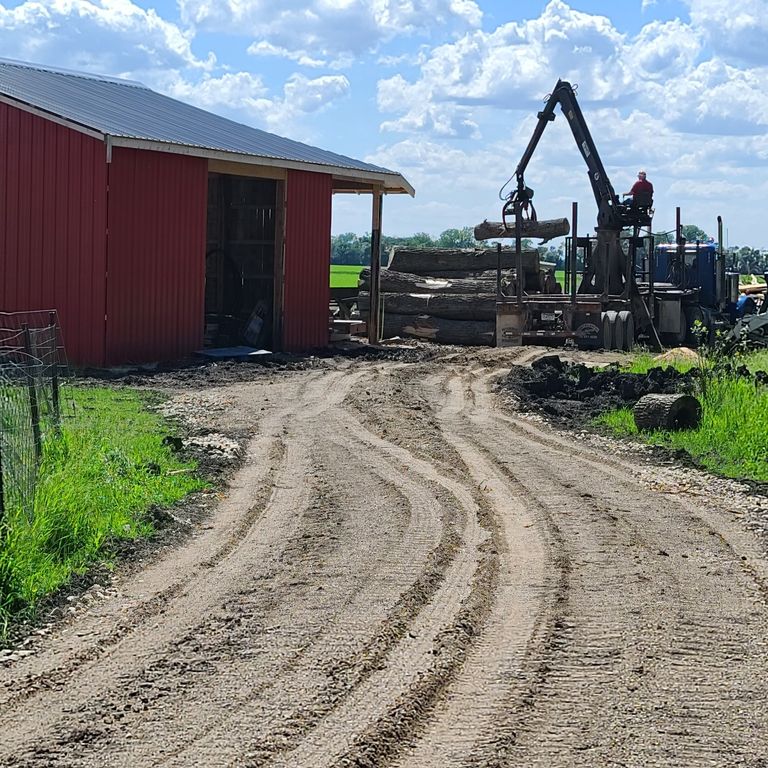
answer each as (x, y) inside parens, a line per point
(672, 412)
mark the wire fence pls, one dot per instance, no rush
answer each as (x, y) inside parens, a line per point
(32, 364)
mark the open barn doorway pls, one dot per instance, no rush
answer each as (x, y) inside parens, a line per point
(240, 261)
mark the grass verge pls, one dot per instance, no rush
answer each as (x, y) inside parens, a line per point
(97, 481)
(732, 438)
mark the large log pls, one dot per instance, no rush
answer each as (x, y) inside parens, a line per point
(667, 412)
(449, 306)
(440, 330)
(402, 282)
(546, 229)
(432, 261)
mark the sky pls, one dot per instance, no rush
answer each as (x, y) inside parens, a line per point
(446, 92)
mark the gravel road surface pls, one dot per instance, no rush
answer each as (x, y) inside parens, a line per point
(405, 573)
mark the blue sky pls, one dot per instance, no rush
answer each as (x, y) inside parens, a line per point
(446, 91)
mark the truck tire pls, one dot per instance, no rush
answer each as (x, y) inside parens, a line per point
(607, 330)
(628, 329)
(617, 331)
(667, 412)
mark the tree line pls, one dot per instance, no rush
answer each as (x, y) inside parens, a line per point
(349, 248)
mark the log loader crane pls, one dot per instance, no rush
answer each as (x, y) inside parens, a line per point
(612, 298)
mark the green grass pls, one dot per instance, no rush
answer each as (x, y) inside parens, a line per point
(97, 481)
(732, 438)
(345, 275)
(644, 361)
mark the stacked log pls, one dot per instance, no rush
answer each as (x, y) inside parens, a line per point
(446, 295)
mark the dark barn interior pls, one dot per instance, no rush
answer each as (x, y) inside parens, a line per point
(240, 261)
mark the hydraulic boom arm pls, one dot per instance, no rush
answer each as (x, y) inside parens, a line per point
(608, 206)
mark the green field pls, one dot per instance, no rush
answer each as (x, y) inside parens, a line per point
(345, 275)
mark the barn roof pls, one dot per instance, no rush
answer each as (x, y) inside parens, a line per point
(127, 113)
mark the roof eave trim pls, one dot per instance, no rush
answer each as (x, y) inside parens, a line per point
(393, 183)
(25, 107)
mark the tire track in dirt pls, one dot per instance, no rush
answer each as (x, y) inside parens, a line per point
(186, 601)
(660, 640)
(54, 664)
(363, 623)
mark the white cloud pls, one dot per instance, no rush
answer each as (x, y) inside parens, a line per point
(96, 35)
(327, 30)
(735, 30)
(244, 96)
(664, 49)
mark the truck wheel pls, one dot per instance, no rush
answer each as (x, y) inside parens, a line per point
(627, 322)
(617, 331)
(607, 330)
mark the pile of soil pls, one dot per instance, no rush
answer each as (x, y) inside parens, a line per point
(574, 393)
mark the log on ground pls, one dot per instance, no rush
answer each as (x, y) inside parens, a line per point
(431, 261)
(545, 229)
(667, 412)
(402, 282)
(450, 306)
(440, 330)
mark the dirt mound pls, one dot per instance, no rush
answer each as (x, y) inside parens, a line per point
(678, 354)
(574, 393)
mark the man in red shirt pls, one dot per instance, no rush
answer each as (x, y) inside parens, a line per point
(643, 187)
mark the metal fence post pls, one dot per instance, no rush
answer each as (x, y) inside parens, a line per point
(55, 370)
(2, 491)
(33, 404)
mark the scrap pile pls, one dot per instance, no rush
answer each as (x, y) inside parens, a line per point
(448, 295)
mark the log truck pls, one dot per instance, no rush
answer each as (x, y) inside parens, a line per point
(617, 294)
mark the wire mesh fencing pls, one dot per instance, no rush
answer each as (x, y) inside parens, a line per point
(32, 365)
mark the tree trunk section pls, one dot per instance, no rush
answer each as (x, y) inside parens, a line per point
(440, 330)
(546, 229)
(431, 261)
(671, 412)
(448, 306)
(402, 282)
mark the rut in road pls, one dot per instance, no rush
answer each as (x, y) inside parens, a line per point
(403, 574)
(285, 620)
(655, 650)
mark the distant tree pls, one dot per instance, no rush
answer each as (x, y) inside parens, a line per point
(692, 233)
(457, 238)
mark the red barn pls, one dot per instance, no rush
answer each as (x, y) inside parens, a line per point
(155, 227)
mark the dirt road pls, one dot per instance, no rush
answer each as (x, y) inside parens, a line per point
(405, 574)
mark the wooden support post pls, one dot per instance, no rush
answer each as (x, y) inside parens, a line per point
(374, 316)
(278, 292)
(32, 387)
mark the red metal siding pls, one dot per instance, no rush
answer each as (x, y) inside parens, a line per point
(53, 218)
(156, 255)
(307, 260)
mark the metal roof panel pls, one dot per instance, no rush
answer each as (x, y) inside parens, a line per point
(126, 109)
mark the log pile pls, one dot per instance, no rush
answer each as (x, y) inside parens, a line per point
(447, 295)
